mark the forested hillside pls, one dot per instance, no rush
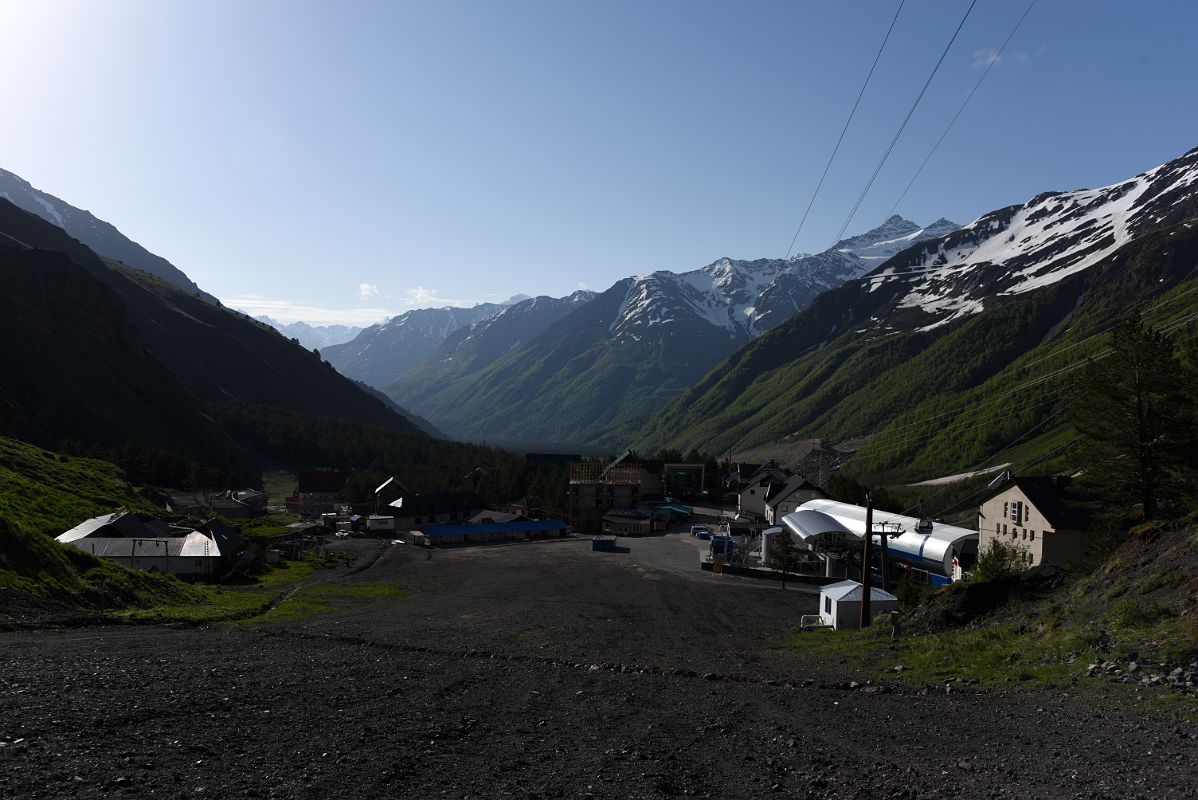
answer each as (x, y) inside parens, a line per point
(924, 403)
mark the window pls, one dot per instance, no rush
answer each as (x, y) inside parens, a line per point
(1004, 525)
(1005, 507)
(1025, 534)
(827, 605)
(1031, 535)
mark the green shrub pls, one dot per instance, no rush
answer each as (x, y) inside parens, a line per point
(999, 560)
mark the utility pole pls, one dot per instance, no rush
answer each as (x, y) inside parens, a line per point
(866, 560)
(884, 538)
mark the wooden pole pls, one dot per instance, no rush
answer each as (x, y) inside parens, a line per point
(866, 559)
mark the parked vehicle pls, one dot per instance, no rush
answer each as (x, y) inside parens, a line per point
(697, 529)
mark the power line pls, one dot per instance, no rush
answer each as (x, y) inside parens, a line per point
(844, 130)
(968, 97)
(1030, 464)
(894, 141)
(990, 457)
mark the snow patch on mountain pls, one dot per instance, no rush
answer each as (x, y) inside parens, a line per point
(1024, 248)
(746, 298)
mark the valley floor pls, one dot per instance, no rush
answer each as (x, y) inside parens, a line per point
(539, 670)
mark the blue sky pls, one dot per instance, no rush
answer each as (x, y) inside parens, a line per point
(345, 161)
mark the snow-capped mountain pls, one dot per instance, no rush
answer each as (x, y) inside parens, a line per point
(747, 298)
(97, 234)
(615, 359)
(313, 336)
(381, 353)
(1023, 248)
(950, 323)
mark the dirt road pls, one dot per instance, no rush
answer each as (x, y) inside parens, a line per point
(537, 670)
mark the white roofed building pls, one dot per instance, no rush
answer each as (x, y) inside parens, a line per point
(826, 527)
(144, 542)
(840, 603)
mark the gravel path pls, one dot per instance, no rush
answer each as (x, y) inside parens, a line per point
(537, 671)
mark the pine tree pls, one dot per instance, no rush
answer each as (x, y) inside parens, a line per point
(1136, 420)
(784, 556)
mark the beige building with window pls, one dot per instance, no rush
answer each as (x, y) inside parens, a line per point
(1032, 514)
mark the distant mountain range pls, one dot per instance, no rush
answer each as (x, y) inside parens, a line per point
(98, 235)
(381, 353)
(591, 367)
(313, 336)
(961, 343)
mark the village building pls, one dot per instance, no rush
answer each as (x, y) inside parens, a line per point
(783, 498)
(144, 542)
(232, 504)
(927, 550)
(683, 480)
(840, 604)
(752, 494)
(495, 516)
(319, 491)
(628, 522)
(596, 488)
(1035, 515)
(417, 510)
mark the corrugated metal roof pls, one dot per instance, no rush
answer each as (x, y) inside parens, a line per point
(520, 526)
(194, 545)
(851, 590)
(85, 528)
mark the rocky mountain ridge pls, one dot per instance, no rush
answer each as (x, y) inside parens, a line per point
(98, 235)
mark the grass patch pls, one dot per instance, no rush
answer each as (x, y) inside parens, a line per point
(324, 598)
(247, 597)
(272, 524)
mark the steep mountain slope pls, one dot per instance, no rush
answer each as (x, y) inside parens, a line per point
(93, 232)
(959, 345)
(612, 362)
(146, 363)
(313, 336)
(381, 353)
(475, 347)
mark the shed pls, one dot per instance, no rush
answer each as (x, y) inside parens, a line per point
(840, 603)
(378, 522)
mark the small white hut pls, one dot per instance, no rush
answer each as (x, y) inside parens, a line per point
(840, 603)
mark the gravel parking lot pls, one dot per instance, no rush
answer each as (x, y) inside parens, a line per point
(538, 670)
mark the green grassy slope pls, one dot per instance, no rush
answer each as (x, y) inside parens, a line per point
(43, 494)
(572, 383)
(935, 402)
(1135, 606)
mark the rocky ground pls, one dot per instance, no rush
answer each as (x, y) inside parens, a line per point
(540, 670)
